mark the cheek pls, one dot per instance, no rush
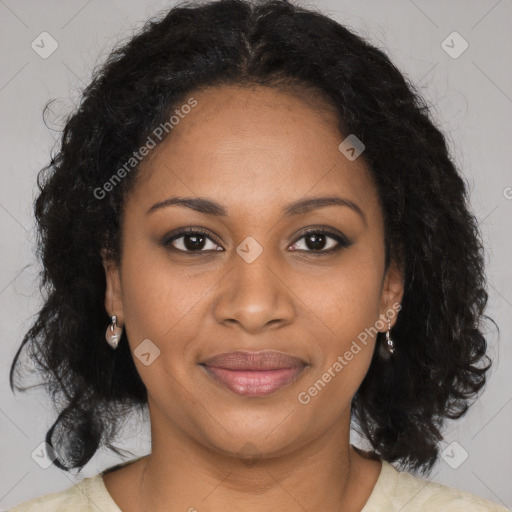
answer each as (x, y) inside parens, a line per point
(166, 308)
(160, 303)
(348, 305)
(350, 301)
(350, 311)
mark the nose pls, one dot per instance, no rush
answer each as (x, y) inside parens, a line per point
(255, 296)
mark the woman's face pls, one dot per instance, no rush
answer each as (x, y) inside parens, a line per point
(254, 281)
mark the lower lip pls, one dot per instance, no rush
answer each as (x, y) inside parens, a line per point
(254, 382)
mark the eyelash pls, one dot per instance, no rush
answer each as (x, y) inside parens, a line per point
(343, 242)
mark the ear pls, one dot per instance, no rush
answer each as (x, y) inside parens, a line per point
(392, 292)
(113, 291)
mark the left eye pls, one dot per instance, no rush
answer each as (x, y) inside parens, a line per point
(315, 241)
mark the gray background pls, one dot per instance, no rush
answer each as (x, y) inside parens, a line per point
(472, 98)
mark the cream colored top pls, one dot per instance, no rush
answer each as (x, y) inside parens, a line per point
(393, 491)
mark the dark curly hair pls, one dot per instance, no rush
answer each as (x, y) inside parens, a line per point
(440, 362)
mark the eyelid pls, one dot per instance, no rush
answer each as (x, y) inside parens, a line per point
(340, 238)
(324, 230)
(178, 233)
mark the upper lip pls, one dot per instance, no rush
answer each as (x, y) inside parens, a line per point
(263, 360)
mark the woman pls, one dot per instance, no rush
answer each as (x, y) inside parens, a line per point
(254, 227)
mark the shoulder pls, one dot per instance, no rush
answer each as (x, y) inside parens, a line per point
(89, 494)
(397, 490)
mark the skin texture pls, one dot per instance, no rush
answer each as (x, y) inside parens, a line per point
(254, 150)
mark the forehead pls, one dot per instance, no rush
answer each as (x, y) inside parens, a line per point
(252, 146)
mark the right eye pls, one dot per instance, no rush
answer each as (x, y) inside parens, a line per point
(191, 240)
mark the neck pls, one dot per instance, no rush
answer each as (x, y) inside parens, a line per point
(326, 474)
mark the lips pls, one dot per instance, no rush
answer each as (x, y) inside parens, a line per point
(264, 360)
(254, 374)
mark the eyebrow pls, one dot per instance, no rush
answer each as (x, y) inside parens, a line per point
(299, 207)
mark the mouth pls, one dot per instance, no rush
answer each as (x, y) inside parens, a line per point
(254, 374)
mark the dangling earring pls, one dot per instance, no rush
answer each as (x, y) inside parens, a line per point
(390, 345)
(113, 333)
